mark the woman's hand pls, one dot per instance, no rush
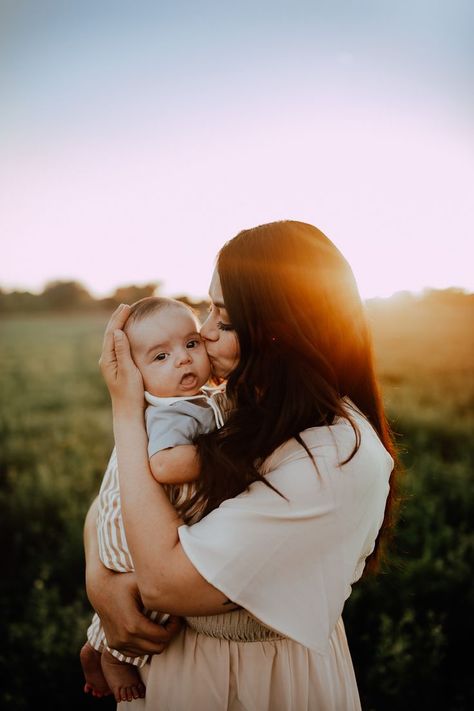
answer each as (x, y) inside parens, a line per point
(117, 601)
(121, 375)
(126, 628)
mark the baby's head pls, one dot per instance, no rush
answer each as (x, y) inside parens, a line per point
(166, 347)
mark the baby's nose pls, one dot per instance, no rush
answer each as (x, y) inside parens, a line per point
(183, 357)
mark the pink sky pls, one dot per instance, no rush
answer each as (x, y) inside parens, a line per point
(111, 176)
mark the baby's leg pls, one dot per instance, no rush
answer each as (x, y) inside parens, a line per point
(96, 683)
(122, 678)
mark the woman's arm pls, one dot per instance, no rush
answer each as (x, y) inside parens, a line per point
(176, 465)
(165, 575)
(166, 578)
(116, 599)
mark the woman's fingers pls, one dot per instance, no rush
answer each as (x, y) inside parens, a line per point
(157, 633)
(150, 638)
(122, 348)
(116, 321)
(118, 318)
(173, 625)
(119, 371)
(140, 646)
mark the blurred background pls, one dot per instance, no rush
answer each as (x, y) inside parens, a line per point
(135, 139)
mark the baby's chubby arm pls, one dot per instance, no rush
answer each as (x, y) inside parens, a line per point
(176, 465)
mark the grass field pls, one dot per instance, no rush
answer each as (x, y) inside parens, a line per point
(406, 628)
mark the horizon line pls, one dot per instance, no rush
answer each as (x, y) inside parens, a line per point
(95, 296)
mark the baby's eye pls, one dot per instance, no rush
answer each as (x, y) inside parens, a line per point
(194, 343)
(160, 356)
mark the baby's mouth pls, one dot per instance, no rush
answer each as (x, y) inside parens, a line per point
(189, 380)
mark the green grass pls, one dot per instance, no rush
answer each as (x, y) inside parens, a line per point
(55, 432)
(406, 628)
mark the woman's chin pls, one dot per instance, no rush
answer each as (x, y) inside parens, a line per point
(216, 379)
(221, 369)
(219, 375)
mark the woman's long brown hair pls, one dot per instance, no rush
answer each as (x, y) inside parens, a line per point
(304, 344)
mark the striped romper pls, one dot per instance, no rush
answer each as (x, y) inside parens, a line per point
(170, 422)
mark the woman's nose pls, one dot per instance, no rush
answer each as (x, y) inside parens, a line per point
(209, 331)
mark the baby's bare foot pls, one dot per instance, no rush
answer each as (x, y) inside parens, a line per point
(122, 678)
(96, 683)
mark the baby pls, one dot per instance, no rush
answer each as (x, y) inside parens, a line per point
(168, 350)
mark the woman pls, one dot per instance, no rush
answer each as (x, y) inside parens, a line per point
(299, 485)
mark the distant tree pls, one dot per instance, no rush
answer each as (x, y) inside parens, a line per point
(132, 293)
(106, 304)
(65, 295)
(18, 301)
(451, 297)
(201, 308)
(73, 296)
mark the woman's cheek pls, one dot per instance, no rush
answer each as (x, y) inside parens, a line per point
(236, 349)
(232, 351)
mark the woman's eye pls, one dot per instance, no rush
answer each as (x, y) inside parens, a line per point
(225, 326)
(160, 356)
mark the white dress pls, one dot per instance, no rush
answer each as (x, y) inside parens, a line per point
(290, 564)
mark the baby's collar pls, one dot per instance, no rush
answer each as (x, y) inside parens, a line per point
(155, 400)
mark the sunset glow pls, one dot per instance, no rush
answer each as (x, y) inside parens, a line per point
(133, 149)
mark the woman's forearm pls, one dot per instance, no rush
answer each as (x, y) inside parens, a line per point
(151, 522)
(164, 573)
(116, 599)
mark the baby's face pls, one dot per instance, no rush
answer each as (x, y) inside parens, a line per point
(168, 351)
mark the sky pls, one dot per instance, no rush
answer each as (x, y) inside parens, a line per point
(136, 138)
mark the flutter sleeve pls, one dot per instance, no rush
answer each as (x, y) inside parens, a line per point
(291, 561)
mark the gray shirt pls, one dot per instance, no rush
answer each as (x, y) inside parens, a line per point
(179, 420)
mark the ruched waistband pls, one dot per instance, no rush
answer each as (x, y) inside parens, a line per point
(236, 626)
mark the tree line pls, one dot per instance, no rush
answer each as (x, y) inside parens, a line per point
(64, 296)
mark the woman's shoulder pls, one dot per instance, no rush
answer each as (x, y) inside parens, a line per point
(332, 444)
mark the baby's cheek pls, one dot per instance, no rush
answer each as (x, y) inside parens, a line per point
(205, 366)
(149, 381)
